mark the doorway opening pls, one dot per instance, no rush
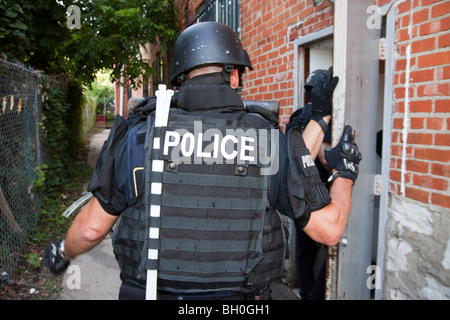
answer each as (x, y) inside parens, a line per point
(313, 52)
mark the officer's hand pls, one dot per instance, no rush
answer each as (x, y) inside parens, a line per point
(345, 156)
(322, 96)
(54, 257)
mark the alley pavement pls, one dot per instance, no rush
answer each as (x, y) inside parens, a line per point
(94, 275)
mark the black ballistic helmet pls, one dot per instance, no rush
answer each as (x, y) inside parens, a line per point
(314, 78)
(207, 43)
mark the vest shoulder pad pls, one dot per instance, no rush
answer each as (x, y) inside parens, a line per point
(268, 112)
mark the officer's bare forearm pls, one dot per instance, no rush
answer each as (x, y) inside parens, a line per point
(327, 225)
(89, 228)
(313, 136)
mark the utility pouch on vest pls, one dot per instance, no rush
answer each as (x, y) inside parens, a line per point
(135, 161)
(307, 193)
(101, 183)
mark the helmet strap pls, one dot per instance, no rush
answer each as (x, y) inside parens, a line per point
(226, 72)
(182, 78)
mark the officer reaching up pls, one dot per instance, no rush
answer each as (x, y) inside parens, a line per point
(226, 172)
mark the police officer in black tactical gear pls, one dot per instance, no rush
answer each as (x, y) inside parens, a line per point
(310, 256)
(226, 172)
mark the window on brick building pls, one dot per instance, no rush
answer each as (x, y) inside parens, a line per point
(225, 11)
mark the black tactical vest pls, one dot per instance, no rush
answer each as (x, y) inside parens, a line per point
(217, 231)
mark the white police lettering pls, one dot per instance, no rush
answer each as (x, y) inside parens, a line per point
(307, 161)
(230, 147)
(214, 146)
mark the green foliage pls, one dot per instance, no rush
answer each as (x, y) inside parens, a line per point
(34, 259)
(14, 28)
(55, 133)
(112, 34)
(62, 175)
(101, 91)
(52, 225)
(39, 181)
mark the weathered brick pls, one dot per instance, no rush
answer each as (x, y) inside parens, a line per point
(442, 200)
(442, 139)
(435, 26)
(421, 106)
(417, 123)
(442, 106)
(444, 40)
(423, 45)
(417, 166)
(417, 194)
(430, 182)
(435, 123)
(434, 89)
(440, 9)
(440, 169)
(421, 16)
(439, 155)
(434, 59)
(420, 138)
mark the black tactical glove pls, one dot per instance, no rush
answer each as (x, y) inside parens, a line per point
(322, 95)
(344, 157)
(54, 257)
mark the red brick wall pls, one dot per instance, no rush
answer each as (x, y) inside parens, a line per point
(425, 157)
(268, 29)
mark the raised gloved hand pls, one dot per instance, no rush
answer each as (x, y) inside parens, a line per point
(322, 95)
(54, 257)
(344, 157)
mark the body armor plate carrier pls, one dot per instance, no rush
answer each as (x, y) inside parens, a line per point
(217, 231)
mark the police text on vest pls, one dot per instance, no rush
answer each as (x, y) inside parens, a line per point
(228, 146)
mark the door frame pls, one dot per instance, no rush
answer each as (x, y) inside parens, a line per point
(300, 44)
(299, 61)
(388, 110)
(354, 103)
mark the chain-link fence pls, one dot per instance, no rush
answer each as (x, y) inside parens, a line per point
(20, 155)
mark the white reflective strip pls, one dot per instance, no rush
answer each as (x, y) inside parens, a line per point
(151, 292)
(153, 234)
(155, 211)
(157, 165)
(156, 188)
(156, 143)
